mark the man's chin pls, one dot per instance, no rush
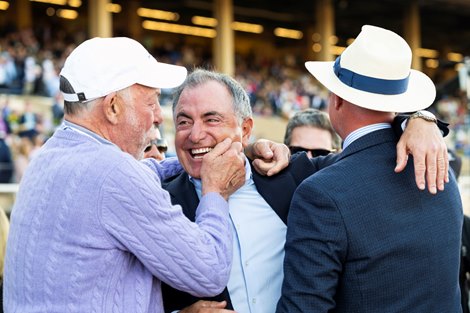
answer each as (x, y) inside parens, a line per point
(194, 173)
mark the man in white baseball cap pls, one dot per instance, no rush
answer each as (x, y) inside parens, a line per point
(91, 229)
(100, 66)
(362, 238)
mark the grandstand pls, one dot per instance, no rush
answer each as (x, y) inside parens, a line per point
(262, 43)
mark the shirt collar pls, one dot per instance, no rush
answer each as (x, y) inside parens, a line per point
(72, 126)
(358, 133)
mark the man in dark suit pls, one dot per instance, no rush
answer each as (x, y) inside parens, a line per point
(208, 108)
(362, 238)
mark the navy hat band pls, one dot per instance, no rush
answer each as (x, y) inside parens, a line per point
(370, 84)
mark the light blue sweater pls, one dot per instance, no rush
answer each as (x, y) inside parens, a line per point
(93, 231)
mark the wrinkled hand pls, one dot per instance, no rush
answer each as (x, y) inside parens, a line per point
(424, 141)
(268, 157)
(223, 169)
(207, 307)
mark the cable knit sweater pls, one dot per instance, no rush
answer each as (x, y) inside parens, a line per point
(93, 231)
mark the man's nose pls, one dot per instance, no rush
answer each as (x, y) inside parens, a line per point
(157, 115)
(197, 132)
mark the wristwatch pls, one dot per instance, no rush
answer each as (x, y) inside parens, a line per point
(425, 115)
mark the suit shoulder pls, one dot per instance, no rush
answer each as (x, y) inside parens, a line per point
(172, 179)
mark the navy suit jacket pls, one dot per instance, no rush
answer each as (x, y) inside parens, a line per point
(276, 190)
(362, 238)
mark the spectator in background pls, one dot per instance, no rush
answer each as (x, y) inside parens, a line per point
(310, 130)
(37, 143)
(57, 110)
(4, 125)
(157, 147)
(28, 122)
(22, 148)
(4, 229)
(6, 161)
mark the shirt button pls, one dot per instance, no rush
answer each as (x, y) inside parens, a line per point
(253, 300)
(247, 263)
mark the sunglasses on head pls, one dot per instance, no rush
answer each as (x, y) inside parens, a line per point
(314, 152)
(159, 143)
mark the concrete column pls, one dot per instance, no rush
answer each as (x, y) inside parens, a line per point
(413, 32)
(100, 20)
(309, 54)
(130, 23)
(325, 27)
(23, 13)
(224, 42)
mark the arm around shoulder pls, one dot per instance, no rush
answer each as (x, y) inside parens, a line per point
(139, 217)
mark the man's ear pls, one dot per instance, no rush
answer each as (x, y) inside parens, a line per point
(338, 101)
(247, 127)
(112, 108)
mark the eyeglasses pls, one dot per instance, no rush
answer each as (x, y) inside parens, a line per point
(161, 145)
(314, 152)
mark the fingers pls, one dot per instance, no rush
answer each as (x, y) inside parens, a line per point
(203, 306)
(442, 169)
(281, 159)
(276, 157)
(214, 307)
(277, 167)
(223, 169)
(262, 149)
(402, 158)
(431, 172)
(221, 147)
(262, 166)
(437, 168)
(424, 141)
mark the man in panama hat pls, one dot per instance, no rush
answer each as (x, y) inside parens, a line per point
(361, 238)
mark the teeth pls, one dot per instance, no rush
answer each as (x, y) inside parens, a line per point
(201, 150)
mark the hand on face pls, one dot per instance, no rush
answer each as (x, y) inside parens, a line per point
(223, 168)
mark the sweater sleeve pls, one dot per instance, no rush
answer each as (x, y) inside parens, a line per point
(137, 214)
(164, 169)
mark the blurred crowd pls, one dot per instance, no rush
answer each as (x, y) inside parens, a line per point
(29, 64)
(30, 61)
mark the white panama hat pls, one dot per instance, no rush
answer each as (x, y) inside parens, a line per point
(374, 72)
(100, 66)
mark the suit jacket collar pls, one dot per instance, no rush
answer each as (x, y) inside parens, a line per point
(182, 192)
(369, 140)
(276, 190)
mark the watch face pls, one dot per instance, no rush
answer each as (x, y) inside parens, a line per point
(426, 115)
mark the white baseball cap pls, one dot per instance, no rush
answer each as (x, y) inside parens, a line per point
(375, 72)
(100, 66)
